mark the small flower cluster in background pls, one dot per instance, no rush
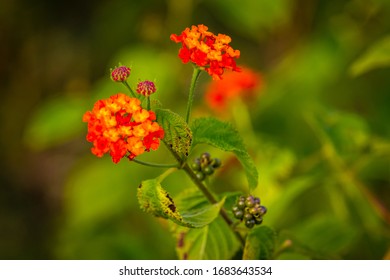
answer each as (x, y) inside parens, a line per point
(121, 127)
(204, 49)
(245, 84)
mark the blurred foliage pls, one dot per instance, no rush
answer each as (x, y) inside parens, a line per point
(318, 131)
(378, 55)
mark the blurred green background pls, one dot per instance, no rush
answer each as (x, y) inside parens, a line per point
(320, 127)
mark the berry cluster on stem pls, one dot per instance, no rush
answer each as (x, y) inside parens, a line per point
(205, 166)
(249, 210)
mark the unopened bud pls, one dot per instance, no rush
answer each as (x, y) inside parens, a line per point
(146, 88)
(120, 74)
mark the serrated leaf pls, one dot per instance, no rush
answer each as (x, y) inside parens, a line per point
(178, 135)
(225, 137)
(260, 244)
(214, 241)
(377, 56)
(154, 199)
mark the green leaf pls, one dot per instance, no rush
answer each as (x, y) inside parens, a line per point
(377, 56)
(54, 122)
(155, 200)
(225, 137)
(214, 241)
(260, 244)
(178, 135)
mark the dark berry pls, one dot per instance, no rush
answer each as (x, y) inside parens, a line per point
(196, 165)
(248, 216)
(206, 156)
(257, 200)
(263, 210)
(208, 170)
(241, 204)
(254, 211)
(238, 214)
(250, 202)
(258, 221)
(250, 223)
(200, 176)
(216, 162)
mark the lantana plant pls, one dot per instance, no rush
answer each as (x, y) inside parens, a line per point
(206, 225)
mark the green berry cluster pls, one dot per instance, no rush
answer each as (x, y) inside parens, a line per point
(249, 210)
(205, 166)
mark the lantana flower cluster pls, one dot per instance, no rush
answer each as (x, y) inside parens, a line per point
(211, 52)
(121, 127)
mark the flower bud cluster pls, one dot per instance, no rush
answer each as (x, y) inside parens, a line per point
(205, 166)
(249, 210)
(120, 74)
(146, 88)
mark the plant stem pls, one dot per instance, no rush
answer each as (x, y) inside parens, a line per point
(175, 155)
(152, 164)
(194, 78)
(210, 197)
(130, 89)
(148, 103)
(166, 174)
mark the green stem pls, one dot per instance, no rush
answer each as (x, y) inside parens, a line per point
(194, 78)
(176, 155)
(130, 89)
(152, 164)
(166, 174)
(148, 103)
(210, 197)
(202, 187)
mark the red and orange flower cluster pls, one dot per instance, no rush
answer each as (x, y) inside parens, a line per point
(244, 85)
(203, 48)
(120, 126)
